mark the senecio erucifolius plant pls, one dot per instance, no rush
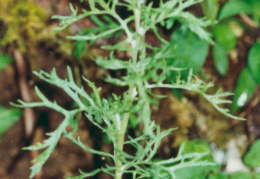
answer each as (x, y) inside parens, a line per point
(146, 69)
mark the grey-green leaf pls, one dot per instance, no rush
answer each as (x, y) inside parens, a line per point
(220, 57)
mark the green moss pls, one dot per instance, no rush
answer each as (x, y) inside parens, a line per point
(23, 20)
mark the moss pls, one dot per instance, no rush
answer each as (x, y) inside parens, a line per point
(23, 21)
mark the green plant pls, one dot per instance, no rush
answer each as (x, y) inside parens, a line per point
(146, 69)
(226, 41)
(8, 117)
(248, 79)
(251, 159)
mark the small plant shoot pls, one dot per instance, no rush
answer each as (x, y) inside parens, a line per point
(149, 67)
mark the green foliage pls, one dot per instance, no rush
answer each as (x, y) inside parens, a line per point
(257, 175)
(241, 175)
(187, 51)
(245, 88)
(232, 8)
(4, 61)
(210, 8)
(80, 47)
(8, 117)
(254, 61)
(220, 57)
(252, 158)
(226, 41)
(196, 146)
(248, 79)
(218, 176)
(144, 71)
(224, 36)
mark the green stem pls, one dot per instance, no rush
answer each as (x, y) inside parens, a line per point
(120, 139)
(135, 42)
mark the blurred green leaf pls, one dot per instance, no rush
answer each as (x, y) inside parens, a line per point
(8, 117)
(192, 173)
(224, 36)
(79, 49)
(241, 175)
(252, 158)
(188, 51)
(255, 5)
(218, 176)
(196, 146)
(254, 61)
(257, 175)
(220, 57)
(4, 61)
(245, 88)
(210, 8)
(234, 7)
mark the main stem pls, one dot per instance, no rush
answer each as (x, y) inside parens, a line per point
(120, 140)
(135, 42)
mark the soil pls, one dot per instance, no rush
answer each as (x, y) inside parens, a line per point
(194, 117)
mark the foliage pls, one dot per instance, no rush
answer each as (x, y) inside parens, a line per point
(241, 175)
(244, 90)
(4, 61)
(226, 41)
(197, 146)
(186, 51)
(248, 79)
(252, 158)
(8, 117)
(218, 176)
(22, 22)
(146, 70)
(232, 8)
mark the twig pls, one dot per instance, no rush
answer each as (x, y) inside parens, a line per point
(249, 22)
(28, 113)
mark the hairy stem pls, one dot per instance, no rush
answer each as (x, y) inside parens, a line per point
(135, 42)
